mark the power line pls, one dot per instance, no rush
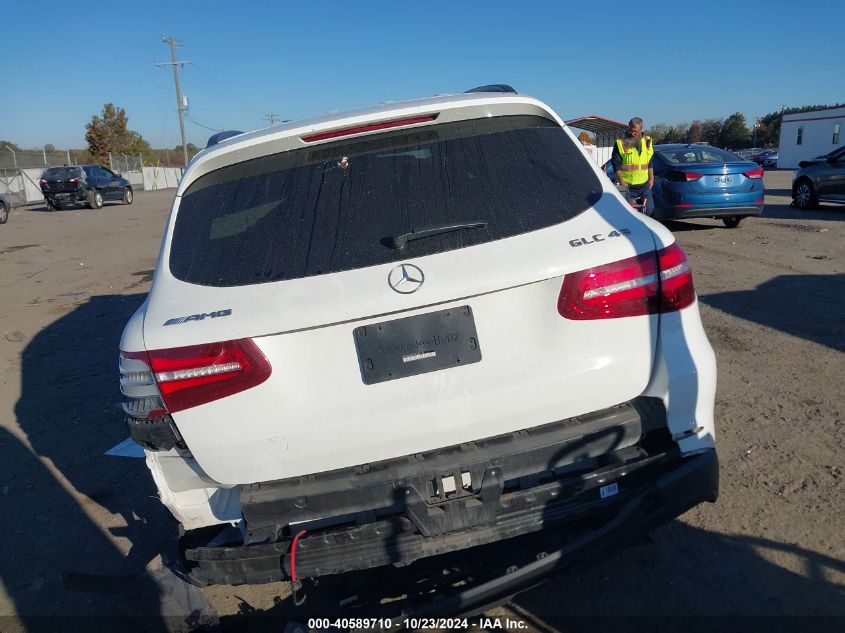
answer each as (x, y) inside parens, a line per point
(179, 103)
(203, 85)
(213, 129)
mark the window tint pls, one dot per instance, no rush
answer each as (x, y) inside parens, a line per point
(702, 154)
(61, 173)
(328, 209)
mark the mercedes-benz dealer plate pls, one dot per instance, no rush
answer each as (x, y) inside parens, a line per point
(416, 345)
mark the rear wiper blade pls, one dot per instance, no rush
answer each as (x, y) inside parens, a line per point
(399, 241)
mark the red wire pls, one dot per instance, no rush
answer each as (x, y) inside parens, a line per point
(293, 554)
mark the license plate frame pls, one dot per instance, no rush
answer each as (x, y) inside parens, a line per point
(415, 345)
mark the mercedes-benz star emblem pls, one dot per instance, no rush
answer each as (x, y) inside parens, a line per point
(406, 278)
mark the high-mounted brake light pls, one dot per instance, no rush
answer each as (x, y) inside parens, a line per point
(370, 127)
(651, 283)
(197, 374)
(754, 173)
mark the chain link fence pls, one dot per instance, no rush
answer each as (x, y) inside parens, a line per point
(20, 170)
(49, 156)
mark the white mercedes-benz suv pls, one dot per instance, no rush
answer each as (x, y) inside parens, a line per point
(382, 335)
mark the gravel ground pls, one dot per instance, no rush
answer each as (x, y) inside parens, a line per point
(84, 531)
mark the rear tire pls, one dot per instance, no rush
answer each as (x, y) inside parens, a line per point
(128, 196)
(96, 200)
(804, 196)
(4, 213)
(732, 221)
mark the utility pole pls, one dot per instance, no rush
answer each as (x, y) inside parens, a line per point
(179, 103)
(271, 117)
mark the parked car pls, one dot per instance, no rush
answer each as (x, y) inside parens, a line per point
(820, 180)
(377, 336)
(5, 207)
(766, 158)
(700, 181)
(83, 184)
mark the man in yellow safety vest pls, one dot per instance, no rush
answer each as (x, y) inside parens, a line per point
(631, 160)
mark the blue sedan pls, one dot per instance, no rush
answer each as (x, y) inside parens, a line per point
(700, 181)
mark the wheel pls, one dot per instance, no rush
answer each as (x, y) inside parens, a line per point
(127, 196)
(4, 213)
(804, 196)
(96, 200)
(732, 221)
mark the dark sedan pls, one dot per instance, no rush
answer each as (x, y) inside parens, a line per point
(83, 184)
(766, 158)
(5, 207)
(820, 180)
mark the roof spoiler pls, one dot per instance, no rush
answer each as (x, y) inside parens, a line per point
(214, 139)
(493, 88)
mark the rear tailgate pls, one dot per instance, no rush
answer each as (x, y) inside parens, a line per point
(316, 413)
(322, 407)
(61, 179)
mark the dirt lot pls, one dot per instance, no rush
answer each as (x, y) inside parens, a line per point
(82, 531)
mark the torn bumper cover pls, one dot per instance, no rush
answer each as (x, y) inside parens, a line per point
(576, 476)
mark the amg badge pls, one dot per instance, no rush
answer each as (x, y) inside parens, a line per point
(199, 317)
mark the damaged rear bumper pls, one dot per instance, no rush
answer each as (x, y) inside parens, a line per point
(578, 478)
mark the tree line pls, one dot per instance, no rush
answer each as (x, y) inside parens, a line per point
(732, 132)
(109, 133)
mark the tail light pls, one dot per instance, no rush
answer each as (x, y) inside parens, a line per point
(170, 380)
(43, 181)
(74, 180)
(690, 176)
(754, 173)
(651, 283)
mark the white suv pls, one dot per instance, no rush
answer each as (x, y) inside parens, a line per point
(409, 330)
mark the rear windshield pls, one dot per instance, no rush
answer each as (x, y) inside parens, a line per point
(334, 207)
(684, 155)
(61, 173)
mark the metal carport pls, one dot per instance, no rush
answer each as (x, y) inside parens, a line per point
(605, 130)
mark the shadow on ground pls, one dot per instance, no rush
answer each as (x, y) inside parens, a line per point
(63, 497)
(825, 212)
(807, 306)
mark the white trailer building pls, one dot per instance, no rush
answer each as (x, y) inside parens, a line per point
(809, 134)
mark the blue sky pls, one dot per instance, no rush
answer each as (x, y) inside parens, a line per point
(668, 62)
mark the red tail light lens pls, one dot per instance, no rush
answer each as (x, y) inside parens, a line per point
(43, 181)
(640, 285)
(194, 375)
(690, 176)
(622, 289)
(754, 173)
(676, 289)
